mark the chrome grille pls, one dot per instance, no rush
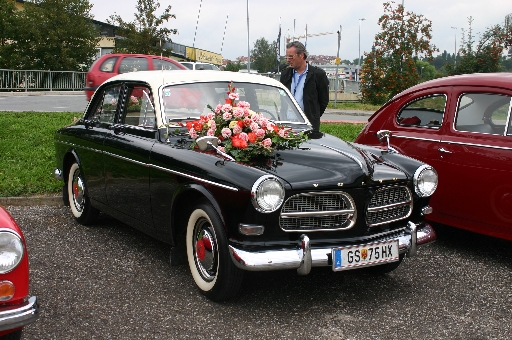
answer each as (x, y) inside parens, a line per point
(389, 204)
(318, 211)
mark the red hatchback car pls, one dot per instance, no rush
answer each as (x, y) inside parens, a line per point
(17, 308)
(461, 126)
(110, 65)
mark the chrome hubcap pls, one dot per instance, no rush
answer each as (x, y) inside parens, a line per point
(205, 250)
(78, 191)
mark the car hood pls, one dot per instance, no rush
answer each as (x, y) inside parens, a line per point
(329, 162)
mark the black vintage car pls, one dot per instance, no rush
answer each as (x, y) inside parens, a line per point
(225, 167)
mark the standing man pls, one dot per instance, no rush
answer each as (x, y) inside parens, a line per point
(308, 84)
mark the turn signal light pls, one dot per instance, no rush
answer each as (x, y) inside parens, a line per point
(6, 290)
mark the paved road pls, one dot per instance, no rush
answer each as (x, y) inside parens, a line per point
(112, 282)
(48, 102)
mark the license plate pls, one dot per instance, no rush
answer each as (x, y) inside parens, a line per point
(370, 254)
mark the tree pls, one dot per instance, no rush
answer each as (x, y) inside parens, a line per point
(7, 23)
(234, 67)
(391, 65)
(52, 35)
(426, 71)
(264, 55)
(487, 55)
(144, 35)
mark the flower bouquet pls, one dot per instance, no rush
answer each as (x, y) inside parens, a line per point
(243, 133)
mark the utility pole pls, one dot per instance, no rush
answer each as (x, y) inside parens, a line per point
(336, 86)
(455, 54)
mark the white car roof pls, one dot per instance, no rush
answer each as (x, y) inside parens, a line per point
(157, 78)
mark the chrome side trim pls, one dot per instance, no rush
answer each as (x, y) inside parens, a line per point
(297, 257)
(417, 138)
(479, 145)
(457, 143)
(19, 315)
(126, 159)
(193, 177)
(158, 168)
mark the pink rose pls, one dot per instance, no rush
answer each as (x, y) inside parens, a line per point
(260, 133)
(226, 108)
(226, 133)
(210, 132)
(218, 108)
(283, 133)
(227, 115)
(254, 126)
(237, 129)
(267, 142)
(192, 133)
(233, 95)
(244, 104)
(243, 136)
(238, 112)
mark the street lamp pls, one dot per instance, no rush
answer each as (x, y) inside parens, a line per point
(455, 55)
(359, 56)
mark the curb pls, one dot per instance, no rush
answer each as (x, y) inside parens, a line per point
(32, 200)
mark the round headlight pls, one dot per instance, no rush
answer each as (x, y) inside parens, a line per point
(11, 251)
(267, 194)
(425, 180)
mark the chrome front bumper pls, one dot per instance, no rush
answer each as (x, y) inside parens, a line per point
(17, 316)
(304, 255)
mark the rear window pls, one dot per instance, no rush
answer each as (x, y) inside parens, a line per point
(108, 64)
(188, 65)
(483, 113)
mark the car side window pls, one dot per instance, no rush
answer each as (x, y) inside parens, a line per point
(139, 108)
(427, 112)
(164, 65)
(108, 65)
(483, 113)
(133, 64)
(105, 110)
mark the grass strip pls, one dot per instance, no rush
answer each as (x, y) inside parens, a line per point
(27, 151)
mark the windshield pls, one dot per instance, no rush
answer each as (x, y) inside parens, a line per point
(189, 101)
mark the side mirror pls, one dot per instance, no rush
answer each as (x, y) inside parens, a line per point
(384, 135)
(205, 141)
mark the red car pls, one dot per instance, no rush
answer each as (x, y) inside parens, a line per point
(109, 65)
(17, 309)
(461, 126)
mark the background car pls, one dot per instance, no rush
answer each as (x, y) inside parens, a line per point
(461, 125)
(109, 65)
(200, 66)
(218, 165)
(17, 308)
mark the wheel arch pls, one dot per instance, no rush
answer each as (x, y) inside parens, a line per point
(184, 201)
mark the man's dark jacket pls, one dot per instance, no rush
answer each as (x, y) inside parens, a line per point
(316, 92)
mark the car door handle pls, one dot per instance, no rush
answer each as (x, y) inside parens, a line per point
(443, 150)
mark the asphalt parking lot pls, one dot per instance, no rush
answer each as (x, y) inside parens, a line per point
(110, 281)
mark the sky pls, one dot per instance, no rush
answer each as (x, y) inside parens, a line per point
(220, 26)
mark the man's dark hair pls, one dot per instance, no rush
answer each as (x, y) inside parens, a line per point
(299, 47)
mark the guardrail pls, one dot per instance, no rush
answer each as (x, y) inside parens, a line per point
(37, 80)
